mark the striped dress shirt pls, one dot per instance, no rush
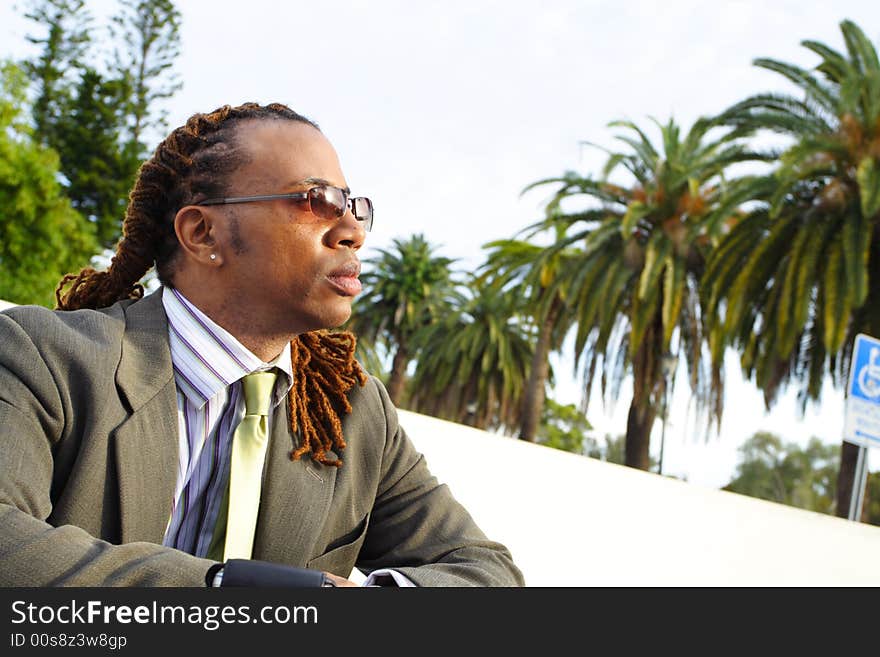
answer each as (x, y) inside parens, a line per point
(209, 364)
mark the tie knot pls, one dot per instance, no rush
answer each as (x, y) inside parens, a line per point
(258, 392)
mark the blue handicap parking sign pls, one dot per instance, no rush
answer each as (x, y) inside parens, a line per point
(865, 373)
(862, 421)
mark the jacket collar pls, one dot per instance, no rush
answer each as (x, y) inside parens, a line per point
(145, 364)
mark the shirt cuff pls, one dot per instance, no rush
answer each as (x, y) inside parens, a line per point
(387, 577)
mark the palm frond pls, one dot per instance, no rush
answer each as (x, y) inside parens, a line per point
(837, 301)
(834, 65)
(814, 88)
(855, 248)
(645, 148)
(674, 283)
(861, 51)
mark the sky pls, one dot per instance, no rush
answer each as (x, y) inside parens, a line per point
(442, 112)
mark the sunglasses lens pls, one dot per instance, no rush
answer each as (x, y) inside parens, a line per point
(327, 202)
(331, 203)
(363, 209)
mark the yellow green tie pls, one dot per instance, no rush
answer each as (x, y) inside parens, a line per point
(246, 470)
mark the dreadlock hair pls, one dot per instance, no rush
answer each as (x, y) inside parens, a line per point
(190, 165)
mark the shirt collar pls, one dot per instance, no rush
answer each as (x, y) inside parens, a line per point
(207, 359)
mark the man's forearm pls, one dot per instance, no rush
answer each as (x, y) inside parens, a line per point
(33, 553)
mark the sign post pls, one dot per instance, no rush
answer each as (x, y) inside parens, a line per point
(862, 422)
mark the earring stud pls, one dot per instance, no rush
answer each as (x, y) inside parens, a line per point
(213, 256)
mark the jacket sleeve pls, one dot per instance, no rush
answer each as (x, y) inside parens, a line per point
(419, 529)
(32, 551)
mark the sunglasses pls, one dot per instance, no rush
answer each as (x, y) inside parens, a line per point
(325, 201)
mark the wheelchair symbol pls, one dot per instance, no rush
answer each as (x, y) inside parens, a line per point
(869, 375)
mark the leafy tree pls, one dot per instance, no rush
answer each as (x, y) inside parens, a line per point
(100, 172)
(95, 119)
(871, 503)
(150, 30)
(793, 283)
(786, 473)
(614, 451)
(802, 477)
(564, 426)
(406, 289)
(41, 236)
(634, 286)
(475, 361)
(53, 72)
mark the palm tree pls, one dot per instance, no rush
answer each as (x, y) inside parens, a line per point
(475, 361)
(634, 287)
(406, 289)
(795, 281)
(530, 269)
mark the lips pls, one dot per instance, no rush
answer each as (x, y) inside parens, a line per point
(345, 278)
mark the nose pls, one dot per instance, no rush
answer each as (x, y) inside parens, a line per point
(347, 231)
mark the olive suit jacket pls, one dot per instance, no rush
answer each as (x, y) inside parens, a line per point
(89, 455)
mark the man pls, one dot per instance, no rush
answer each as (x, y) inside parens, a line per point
(132, 453)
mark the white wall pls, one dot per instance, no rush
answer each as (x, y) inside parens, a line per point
(575, 521)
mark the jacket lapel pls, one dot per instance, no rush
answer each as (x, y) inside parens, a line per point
(294, 501)
(146, 444)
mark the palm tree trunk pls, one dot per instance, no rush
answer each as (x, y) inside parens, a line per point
(533, 397)
(639, 423)
(642, 411)
(397, 380)
(849, 455)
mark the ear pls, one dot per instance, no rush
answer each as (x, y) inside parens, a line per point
(194, 226)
